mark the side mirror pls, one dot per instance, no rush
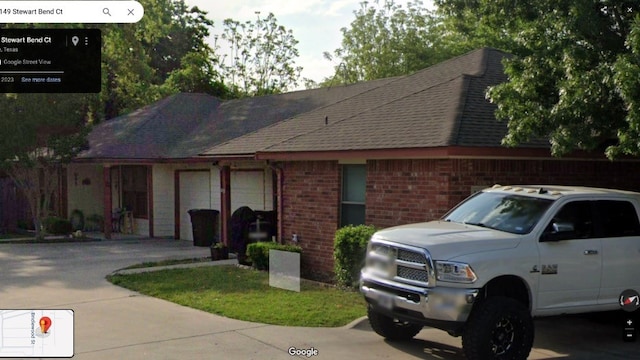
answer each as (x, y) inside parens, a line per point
(563, 227)
(559, 231)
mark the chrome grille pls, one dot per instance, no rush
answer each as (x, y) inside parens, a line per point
(412, 274)
(399, 262)
(411, 256)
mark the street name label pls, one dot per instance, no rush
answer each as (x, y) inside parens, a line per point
(50, 60)
(36, 333)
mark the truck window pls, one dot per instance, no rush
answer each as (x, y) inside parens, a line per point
(575, 219)
(617, 218)
(505, 212)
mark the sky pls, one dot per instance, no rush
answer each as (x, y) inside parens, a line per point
(315, 24)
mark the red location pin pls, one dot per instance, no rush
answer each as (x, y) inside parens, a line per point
(45, 324)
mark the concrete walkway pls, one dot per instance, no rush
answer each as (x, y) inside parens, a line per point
(114, 323)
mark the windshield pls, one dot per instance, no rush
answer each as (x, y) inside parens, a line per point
(505, 212)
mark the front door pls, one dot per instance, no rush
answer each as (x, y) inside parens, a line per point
(570, 260)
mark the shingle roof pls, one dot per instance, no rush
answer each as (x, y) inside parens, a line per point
(152, 131)
(184, 125)
(443, 105)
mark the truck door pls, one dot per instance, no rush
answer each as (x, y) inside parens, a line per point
(570, 259)
(620, 229)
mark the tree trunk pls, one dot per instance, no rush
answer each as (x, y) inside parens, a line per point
(38, 184)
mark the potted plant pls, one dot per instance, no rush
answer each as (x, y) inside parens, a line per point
(219, 251)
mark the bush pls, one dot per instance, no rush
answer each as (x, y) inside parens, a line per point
(94, 223)
(26, 225)
(77, 220)
(258, 252)
(57, 226)
(349, 250)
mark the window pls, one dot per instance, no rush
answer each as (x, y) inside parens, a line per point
(510, 213)
(618, 218)
(134, 190)
(352, 210)
(574, 220)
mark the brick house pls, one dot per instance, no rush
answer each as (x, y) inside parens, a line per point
(404, 151)
(147, 161)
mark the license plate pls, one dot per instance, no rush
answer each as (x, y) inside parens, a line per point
(385, 301)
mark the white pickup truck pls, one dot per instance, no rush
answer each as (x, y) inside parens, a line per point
(498, 259)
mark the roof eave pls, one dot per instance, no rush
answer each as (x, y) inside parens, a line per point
(147, 161)
(444, 152)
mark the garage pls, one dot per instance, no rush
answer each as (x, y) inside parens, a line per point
(194, 193)
(251, 188)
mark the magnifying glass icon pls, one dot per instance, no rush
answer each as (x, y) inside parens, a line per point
(106, 11)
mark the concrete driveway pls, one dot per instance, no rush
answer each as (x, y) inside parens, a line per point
(111, 322)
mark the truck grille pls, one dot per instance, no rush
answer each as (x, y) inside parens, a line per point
(412, 274)
(400, 263)
(411, 256)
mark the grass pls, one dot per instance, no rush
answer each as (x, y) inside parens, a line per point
(167, 263)
(246, 295)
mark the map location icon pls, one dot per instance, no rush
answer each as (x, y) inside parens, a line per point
(45, 324)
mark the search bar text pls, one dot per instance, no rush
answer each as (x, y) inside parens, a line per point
(57, 12)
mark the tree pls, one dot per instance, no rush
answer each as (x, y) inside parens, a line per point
(262, 56)
(42, 132)
(386, 40)
(466, 25)
(165, 53)
(574, 77)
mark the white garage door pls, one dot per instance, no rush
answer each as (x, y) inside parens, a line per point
(195, 193)
(248, 189)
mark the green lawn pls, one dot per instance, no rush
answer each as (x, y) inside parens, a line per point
(246, 295)
(168, 262)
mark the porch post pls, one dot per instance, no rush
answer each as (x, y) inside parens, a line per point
(225, 202)
(150, 205)
(106, 175)
(63, 193)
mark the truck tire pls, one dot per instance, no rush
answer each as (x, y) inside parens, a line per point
(390, 328)
(500, 328)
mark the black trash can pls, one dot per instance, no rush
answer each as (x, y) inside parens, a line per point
(204, 223)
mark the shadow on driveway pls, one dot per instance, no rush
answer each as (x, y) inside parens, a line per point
(588, 336)
(82, 265)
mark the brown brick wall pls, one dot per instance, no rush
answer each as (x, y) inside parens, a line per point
(311, 198)
(407, 191)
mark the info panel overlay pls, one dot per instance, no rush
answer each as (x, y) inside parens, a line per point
(50, 60)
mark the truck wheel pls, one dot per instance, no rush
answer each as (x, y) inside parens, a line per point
(500, 328)
(390, 328)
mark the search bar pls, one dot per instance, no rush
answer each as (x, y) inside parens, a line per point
(57, 12)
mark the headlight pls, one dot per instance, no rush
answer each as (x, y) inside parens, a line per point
(455, 272)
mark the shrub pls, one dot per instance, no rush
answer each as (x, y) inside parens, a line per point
(94, 223)
(258, 252)
(77, 220)
(26, 225)
(349, 249)
(57, 226)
